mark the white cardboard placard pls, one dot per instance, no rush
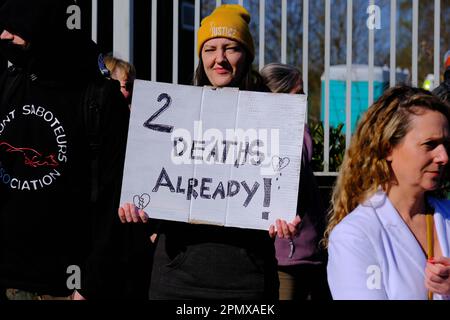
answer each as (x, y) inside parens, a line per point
(214, 156)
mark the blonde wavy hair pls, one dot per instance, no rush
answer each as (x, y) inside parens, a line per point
(382, 127)
(119, 68)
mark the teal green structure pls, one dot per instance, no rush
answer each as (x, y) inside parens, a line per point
(359, 94)
(360, 100)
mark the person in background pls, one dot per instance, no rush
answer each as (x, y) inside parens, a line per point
(123, 72)
(443, 90)
(447, 60)
(212, 262)
(389, 232)
(301, 261)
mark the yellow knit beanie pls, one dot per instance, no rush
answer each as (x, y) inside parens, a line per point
(227, 21)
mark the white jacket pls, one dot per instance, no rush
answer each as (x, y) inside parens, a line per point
(374, 255)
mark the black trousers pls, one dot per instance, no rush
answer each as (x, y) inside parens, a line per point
(211, 271)
(304, 282)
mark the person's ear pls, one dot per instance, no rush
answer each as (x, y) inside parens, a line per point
(389, 156)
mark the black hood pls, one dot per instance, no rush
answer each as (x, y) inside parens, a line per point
(447, 75)
(55, 52)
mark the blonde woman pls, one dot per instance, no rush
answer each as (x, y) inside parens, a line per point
(389, 232)
(123, 72)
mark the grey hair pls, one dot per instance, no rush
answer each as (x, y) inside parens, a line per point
(281, 78)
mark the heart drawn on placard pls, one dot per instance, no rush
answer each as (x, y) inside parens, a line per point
(279, 164)
(141, 201)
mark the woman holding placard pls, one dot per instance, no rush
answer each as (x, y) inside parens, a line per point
(389, 232)
(210, 262)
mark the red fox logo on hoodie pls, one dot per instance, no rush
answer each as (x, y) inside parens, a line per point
(32, 158)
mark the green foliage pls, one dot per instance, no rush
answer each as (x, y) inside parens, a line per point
(337, 146)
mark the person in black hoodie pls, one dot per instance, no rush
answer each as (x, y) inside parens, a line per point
(443, 90)
(49, 227)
